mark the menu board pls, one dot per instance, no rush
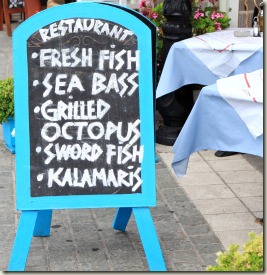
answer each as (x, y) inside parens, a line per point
(84, 109)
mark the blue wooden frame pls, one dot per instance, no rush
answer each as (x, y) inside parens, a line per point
(20, 35)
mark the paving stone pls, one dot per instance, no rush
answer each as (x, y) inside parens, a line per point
(160, 210)
(235, 221)
(210, 259)
(173, 236)
(241, 176)
(220, 206)
(69, 265)
(6, 178)
(189, 267)
(185, 256)
(210, 155)
(187, 210)
(255, 161)
(253, 203)
(204, 192)
(95, 266)
(7, 199)
(231, 165)
(30, 268)
(37, 257)
(192, 220)
(175, 245)
(5, 168)
(197, 229)
(173, 196)
(258, 214)
(209, 238)
(165, 180)
(5, 257)
(91, 254)
(236, 237)
(209, 248)
(196, 167)
(247, 189)
(199, 179)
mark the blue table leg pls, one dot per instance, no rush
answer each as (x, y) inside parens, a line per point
(149, 238)
(122, 217)
(22, 242)
(43, 223)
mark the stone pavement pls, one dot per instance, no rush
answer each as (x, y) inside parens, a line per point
(213, 205)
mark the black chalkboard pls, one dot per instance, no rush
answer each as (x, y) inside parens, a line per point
(83, 109)
(153, 29)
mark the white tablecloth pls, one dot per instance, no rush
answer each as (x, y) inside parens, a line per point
(244, 92)
(214, 125)
(183, 67)
(221, 51)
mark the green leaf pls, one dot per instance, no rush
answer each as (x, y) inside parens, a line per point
(6, 99)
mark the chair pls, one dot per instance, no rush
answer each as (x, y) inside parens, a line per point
(245, 14)
(7, 15)
(1, 15)
(32, 7)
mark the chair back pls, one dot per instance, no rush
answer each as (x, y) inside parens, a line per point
(10, 8)
(31, 7)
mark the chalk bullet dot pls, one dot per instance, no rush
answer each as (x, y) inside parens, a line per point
(70, 97)
(38, 149)
(35, 83)
(34, 55)
(130, 167)
(37, 109)
(112, 46)
(40, 177)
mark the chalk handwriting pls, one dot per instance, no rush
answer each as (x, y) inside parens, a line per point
(74, 177)
(76, 151)
(67, 26)
(86, 138)
(76, 110)
(95, 130)
(84, 57)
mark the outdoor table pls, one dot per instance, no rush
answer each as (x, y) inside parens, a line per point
(213, 125)
(197, 60)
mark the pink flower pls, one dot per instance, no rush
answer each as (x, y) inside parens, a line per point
(215, 15)
(154, 15)
(142, 4)
(217, 26)
(220, 15)
(198, 14)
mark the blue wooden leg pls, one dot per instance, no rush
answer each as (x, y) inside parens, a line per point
(22, 242)
(149, 238)
(122, 217)
(43, 223)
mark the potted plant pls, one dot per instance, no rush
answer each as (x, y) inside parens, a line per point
(7, 112)
(251, 259)
(208, 19)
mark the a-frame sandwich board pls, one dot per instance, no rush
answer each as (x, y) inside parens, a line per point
(84, 120)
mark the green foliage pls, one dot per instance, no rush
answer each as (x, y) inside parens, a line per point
(6, 99)
(250, 260)
(155, 13)
(209, 19)
(159, 21)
